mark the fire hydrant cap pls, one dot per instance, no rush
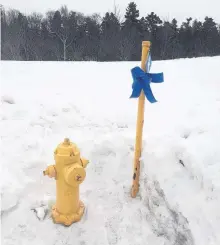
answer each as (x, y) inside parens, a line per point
(75, 175)
(68, 149)
(66, 141)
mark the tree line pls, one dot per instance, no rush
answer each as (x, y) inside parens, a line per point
(72, 36)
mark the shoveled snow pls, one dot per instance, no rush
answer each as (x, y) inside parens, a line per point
(179, 199)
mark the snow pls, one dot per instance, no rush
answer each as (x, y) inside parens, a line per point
(179, 198)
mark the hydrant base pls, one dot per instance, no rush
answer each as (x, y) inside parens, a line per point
(69, 219)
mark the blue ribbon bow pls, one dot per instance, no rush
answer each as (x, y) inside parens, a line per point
(142, 80)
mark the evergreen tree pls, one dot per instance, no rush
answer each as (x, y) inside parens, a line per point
(186, 38)
(92, 38)
(4, 29)
(131, 15)
(153, 24)
(169, 43)
(211, 36)
(197, 36)
(109, 37)
(131, 33)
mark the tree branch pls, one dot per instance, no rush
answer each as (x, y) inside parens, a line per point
(70, 43)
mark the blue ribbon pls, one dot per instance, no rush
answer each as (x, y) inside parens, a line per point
(142, 80)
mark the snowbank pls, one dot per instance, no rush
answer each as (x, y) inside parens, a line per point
(42, 103)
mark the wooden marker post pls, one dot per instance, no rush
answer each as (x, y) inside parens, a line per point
(140, 123)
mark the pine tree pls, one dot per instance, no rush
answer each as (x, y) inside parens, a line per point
(186, 38)
(210, 36)
(153, 25)
(131, 15)
(91, 38)
(131, 34)
(109, 38)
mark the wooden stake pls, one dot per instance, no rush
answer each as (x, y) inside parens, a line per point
(140, 123)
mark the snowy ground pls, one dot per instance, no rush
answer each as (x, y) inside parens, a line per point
(179, 200)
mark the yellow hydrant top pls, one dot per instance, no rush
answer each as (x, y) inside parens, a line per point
(66, 141)
(67, 152)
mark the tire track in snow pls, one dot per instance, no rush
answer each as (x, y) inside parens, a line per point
(164, 220)
(123, 220)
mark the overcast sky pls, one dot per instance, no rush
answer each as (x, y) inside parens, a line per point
(179, 9)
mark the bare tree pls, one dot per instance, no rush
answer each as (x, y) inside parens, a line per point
(117, 12)
(64, 34)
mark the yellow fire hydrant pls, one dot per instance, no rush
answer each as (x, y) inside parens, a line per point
(69, 172)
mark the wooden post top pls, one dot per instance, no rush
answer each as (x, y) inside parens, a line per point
(146, 44)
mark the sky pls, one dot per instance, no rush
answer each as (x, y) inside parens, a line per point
(167, 10)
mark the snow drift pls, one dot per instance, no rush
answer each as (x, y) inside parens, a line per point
(178, 203)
